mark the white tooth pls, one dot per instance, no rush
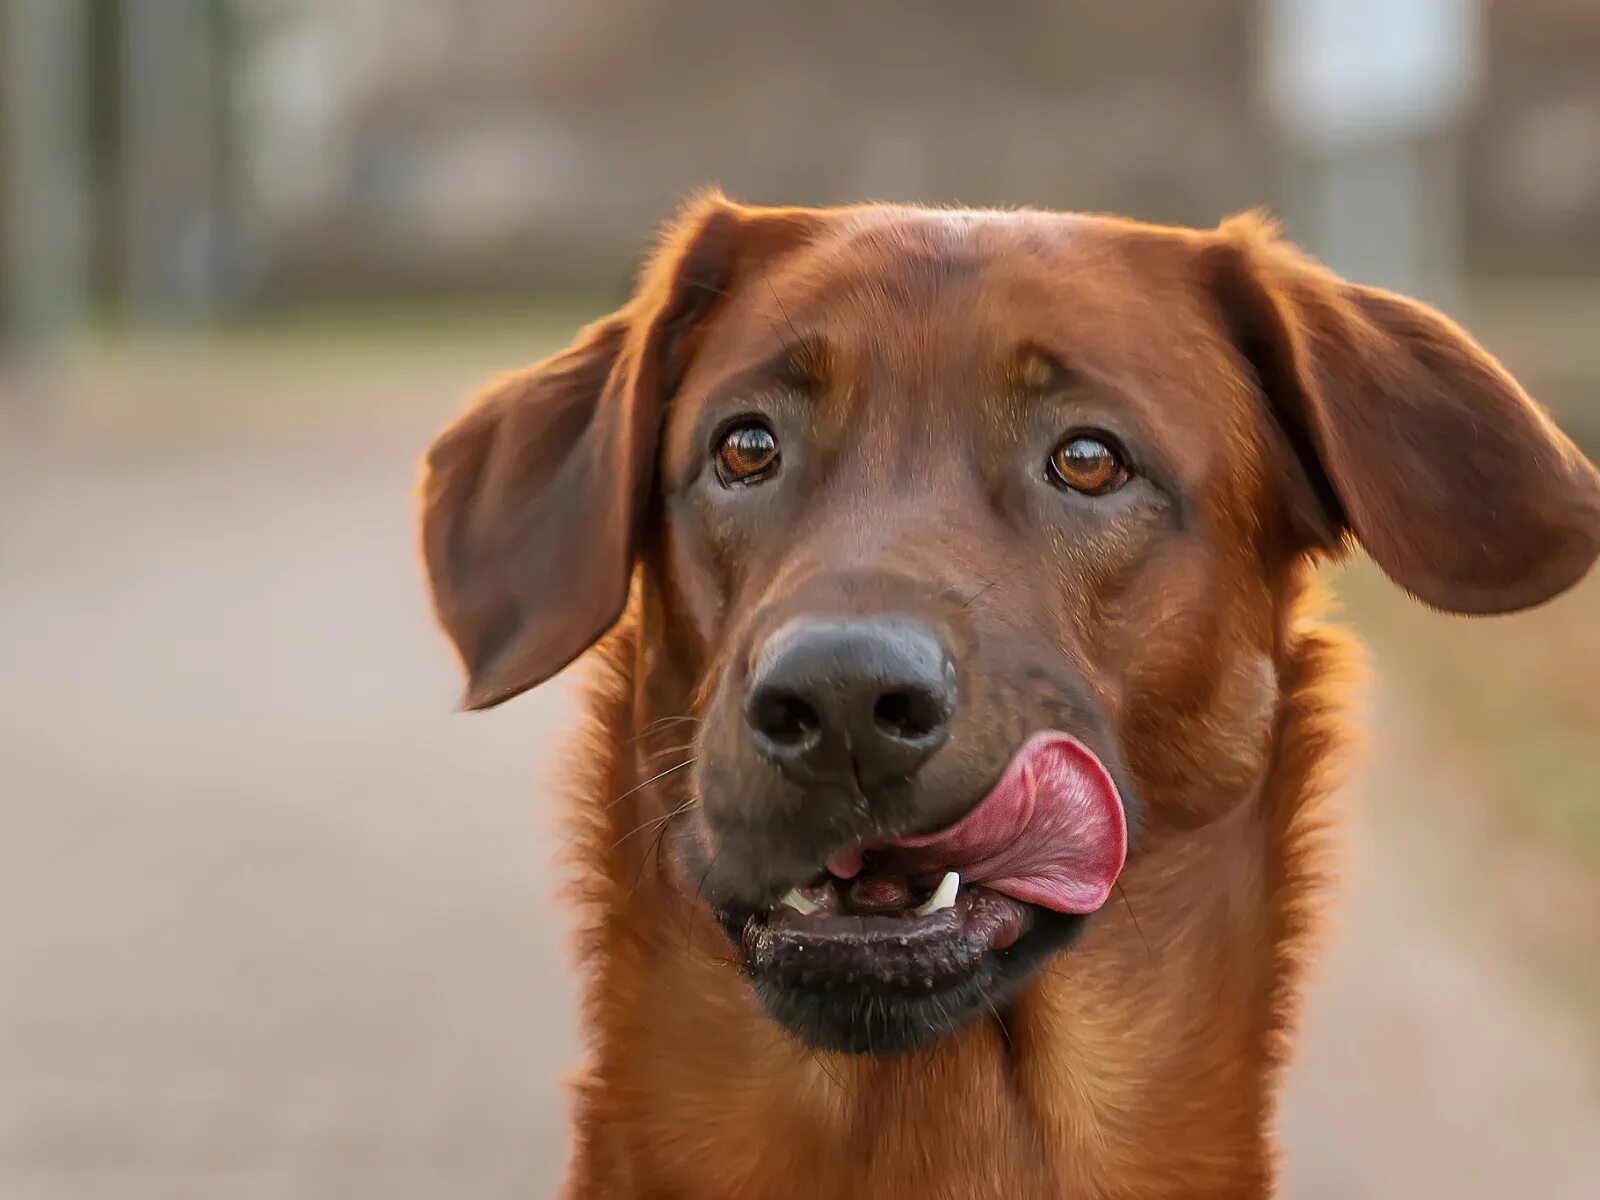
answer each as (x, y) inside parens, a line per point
(944, 896)
(799, 903)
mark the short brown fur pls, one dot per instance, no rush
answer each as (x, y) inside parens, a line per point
(1143, 1061)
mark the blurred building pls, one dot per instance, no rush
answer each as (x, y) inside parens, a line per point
(452, 144)
(246, 149)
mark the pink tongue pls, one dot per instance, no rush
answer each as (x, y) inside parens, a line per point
(1051, 833)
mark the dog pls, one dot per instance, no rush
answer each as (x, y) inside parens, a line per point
(951, 817)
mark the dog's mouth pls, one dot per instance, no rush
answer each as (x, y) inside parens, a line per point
(901, 940)
(881, 931)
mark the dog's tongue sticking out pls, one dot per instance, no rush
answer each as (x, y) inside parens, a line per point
(1051, 833)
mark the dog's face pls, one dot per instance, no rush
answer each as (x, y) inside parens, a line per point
(927, 489)
(965, 545)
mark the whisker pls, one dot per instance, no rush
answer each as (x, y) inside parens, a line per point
(606, 808)
(694, 908)
(1132, 916)
(654, 852)
(702, 286)
(688, 762)
(655, 846)
(653, 821)
(1050, 968)
(813, 1056)
(998, 1020)
(661, 723)
(798, 340)
(788, 348)
(669, 750)
(970, 600)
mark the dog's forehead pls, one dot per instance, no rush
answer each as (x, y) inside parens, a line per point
(967, 283)
(955, 229)
(917, 253)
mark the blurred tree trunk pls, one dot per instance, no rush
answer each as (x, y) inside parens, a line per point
(104, 99)
(173, 133)
(43, 176)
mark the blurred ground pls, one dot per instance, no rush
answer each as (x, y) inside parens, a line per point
(276, 923)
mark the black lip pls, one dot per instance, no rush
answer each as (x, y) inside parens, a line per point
(893, 953)
(886, 985)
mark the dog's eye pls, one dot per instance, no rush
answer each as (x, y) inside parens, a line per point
(1089, 465)
(747, 453)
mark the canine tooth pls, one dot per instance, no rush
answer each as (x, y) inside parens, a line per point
(799, 903)
(944, 896)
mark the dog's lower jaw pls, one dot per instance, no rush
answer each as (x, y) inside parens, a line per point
(934, 979)
(1142, 1062)
(699, 1092)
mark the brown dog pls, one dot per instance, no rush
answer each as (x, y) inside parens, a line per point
(996, 529)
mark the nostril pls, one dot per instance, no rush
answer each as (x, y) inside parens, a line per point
(909, 715)
(785, 720)
(862, 699)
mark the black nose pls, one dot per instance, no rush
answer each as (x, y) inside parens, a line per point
(841, 700)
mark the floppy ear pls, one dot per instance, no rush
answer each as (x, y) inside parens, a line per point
(1405, 433)
(533, 500)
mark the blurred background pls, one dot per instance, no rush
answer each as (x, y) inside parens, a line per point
(275, 922)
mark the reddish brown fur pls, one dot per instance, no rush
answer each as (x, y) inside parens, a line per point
(1110, 1085)
(1144, 1060)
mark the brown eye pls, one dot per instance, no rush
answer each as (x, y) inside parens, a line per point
(748, 453)
(1088, 465)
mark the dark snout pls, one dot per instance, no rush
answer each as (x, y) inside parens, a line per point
(845, 726)
(855, 701)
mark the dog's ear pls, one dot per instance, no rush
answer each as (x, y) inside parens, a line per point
(533, 500)
(1402, 431)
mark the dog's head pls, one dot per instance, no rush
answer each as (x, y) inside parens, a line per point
(964, 542)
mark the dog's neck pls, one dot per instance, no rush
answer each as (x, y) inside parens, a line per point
(1142, 1062)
